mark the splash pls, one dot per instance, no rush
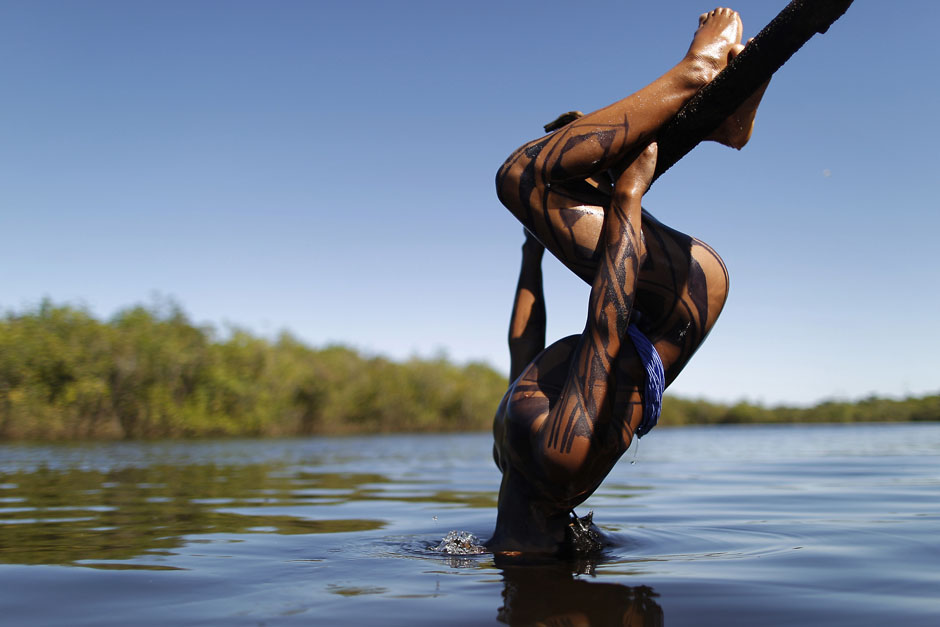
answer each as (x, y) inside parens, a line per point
(460, 543)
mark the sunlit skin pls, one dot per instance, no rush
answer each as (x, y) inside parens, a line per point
(572, 409)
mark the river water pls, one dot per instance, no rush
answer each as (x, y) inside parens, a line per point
(759, 525)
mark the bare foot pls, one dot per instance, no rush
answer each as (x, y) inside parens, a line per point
(716, 41)
(736, 130)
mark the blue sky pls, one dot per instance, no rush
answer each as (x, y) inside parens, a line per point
(327, 168)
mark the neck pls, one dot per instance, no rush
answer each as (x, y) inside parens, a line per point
(526, 523)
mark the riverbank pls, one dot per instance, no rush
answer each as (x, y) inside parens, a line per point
(152, 373)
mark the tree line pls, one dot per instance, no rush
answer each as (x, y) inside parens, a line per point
(150, 372)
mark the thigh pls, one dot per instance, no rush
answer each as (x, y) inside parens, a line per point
(682, 288)
(682, 285)
(566, 216)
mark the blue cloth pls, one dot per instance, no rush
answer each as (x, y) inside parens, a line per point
(655, 380)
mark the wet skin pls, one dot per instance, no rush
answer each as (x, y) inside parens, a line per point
(572, 408)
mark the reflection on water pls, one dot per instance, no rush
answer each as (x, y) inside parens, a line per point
(553, 595)
(758, 525)
(72, 516)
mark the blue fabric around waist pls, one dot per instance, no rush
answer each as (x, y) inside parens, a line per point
(655, 380)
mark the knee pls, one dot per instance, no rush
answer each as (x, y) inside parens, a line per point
(508, 178)
(718, 282)
(501, 175)
(715, 273)
(518, 177)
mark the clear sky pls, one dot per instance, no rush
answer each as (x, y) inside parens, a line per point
(327, 168)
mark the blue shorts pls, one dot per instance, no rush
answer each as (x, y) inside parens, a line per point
(655, 380)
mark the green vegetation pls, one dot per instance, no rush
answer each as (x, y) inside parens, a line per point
(152, 373)
(130, 517)
(679, 411)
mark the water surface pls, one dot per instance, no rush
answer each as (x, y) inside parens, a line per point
(769, 525)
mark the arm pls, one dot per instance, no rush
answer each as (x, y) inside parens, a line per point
(527, 326)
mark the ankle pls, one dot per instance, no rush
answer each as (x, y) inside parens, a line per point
(697, 70)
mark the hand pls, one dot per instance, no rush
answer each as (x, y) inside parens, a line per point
(532, 246)
(636, 179)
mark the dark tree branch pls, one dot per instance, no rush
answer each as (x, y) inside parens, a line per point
(773, 46)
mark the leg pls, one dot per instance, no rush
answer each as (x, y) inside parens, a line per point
(681, 290)
(572, 444)
(548, 182)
